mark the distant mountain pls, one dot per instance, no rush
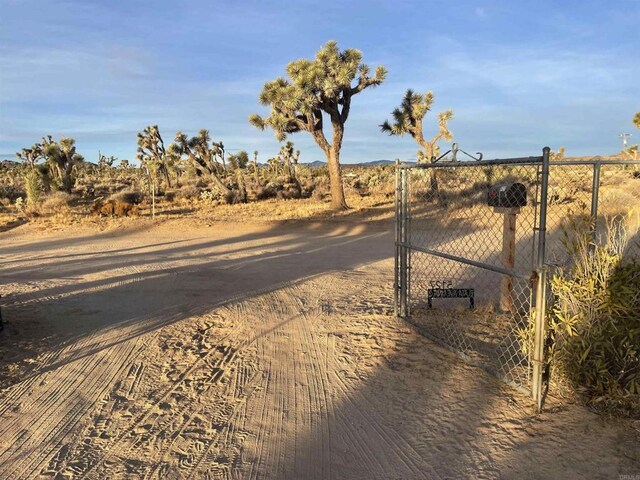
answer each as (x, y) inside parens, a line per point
(8, 163)
(315, 164)
(373, 163)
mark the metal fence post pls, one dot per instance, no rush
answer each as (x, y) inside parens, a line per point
(403, 242)
(396, 255)
(538, 359)
(595, 188)
(407, 236)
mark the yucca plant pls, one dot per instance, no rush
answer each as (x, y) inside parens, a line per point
(33, 188)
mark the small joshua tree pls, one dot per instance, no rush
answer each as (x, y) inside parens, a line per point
(315, 88)
(408, 119)
(62, 160)
(238, 163)
(32, 155)
(559, 155)
(632, 151)
(105, 163)
(256, 171)
(151, 152)
(288, 157)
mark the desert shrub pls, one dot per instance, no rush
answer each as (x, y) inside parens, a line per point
(289, 190)
(595, 320)
(11, 192)
(188, 192)
(133, 197)
(307, 187)
(57, 202)
(170, 195)
(209, 196)
(120, 204)
(20, 204)
(268, 191)
(319, 172)
(233, 197)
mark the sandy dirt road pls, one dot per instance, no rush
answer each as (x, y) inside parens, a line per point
(254, 351)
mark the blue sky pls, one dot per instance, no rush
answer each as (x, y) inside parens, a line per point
(519, 75)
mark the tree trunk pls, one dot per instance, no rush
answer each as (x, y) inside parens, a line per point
(433, 178)
(242, 188)
(165, 172)
(220, 184)
(256, 172)
(338, 201)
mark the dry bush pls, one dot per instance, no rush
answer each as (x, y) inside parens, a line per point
(188, 192)
(170, 195)
(57, 202)
(268, 191)
(11, 192)
(121, 204)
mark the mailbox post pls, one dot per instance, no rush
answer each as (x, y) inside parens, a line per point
(507, 200)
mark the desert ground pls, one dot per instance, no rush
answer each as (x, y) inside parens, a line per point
(182, 349)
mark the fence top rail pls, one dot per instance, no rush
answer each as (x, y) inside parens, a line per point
(594, 162)
(516, 161)
(478, 163)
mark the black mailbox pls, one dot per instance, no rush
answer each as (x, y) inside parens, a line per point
(508, 195)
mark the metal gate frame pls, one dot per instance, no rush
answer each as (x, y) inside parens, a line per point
(538, 307)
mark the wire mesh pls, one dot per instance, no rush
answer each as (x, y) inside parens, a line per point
(460, 229)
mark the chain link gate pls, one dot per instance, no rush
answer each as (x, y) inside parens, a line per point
(472, 241)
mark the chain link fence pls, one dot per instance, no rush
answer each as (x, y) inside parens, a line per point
(475, 241)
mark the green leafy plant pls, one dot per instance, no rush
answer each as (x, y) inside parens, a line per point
(595, 319)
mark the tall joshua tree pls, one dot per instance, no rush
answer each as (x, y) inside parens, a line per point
(151, 151)
(315, 88)
(408, 119)
(636, 120)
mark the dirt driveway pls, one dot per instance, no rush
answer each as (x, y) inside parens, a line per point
(254, 351)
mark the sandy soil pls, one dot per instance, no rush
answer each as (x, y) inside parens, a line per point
(254, 351)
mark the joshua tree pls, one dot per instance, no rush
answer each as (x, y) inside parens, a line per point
(31, 156)
(238, 163)
(151, 152)
(408, 118)
(62, 160)
(256, 171)
(204, 155)
(295, 159)
(288, 157)
(632, 151)
(318, 87)
(559, 155)
(106, 163)
(274, 163)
